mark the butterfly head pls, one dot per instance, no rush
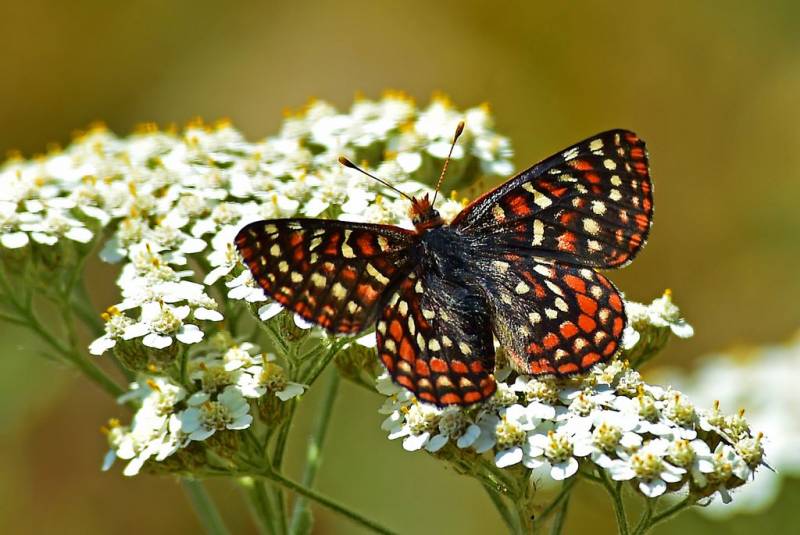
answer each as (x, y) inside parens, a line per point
(423, 214)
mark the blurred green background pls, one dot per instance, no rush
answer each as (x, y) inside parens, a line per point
(712, 87)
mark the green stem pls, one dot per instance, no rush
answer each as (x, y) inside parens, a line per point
(563, 495)
(619, 506)
(326, 502)
(313, 452)
(647, 514)
(561, 514)
(259, 509)
(267, 515)
(508, 517)
(665, 514)
(204, 507)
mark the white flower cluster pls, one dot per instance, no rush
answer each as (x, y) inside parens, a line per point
(166, 207)
(221, 392)
(609, 420)
(763, 379)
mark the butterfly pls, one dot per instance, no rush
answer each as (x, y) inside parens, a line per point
(518, 264)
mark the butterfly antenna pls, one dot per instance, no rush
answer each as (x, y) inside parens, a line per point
(459, 130)
(347, 163)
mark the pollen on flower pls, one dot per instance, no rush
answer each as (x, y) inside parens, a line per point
(751, 450)
(509, 434)
(558, 448)
(421, 417)
(607, 436)
(736, 425)
(647, 465)
(679, 409)
(681, 453)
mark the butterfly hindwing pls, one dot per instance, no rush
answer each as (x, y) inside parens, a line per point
(332, 273)
(435, 339)
(590, 205)
(551, 317)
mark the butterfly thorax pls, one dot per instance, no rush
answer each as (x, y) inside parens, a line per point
(423, 214)
(445, 252)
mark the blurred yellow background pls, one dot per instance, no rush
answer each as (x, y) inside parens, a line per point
(713, 88)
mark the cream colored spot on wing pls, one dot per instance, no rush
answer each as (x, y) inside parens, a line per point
(498, 213)
(561, 304)
(382, 327)
(296, 277)
(554, 288)
(465, 349)
(570, 154)
(506, 298)
(538, 232)
(347, 251)
(587, 274)
(579, 344)
(352, 307)
(598, 207)
(395, 298)
(591, 226)
(428, 314)
(402, 307)
(339, 291)
(270, 229)
(561, 354)
(383, 243)
(412, 327)
(616, 181)
(263, 260)
(275, 250)
(550, 313)
(418, 287)
(271, 277)
(609, 164)
(420, 340)
(596, 291)
(604, 314)
(594, 245)
(433, 345)
(544, 271)
(314, 244)
(522, 288)
(283, 267)
(534, 318)
(446, 342)
(539, 198)
(501, 266)
(404, 366)
(390, 345)
(596, 144)
(377, 275)
(615, 195)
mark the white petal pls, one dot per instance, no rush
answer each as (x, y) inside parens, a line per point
(189, 334)
(415, 442)
(292, 390)
(508, 457)
(243, 422)
(134, 466)
(208, 314)
(468, 438)
(44, 239)
(652, 488)
(108, 460)
(368, 340)
(681, 329)
(157, 341)
(201, 434)
(563, 470)
(436, 443)
(192, 245)
(101, 345)
(135, 330)
(80, 234)
(269, 311)
(301, 322)
(14, 240)
(215, 274)
(630, 337)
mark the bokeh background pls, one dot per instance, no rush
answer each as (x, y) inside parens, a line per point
(712, 87)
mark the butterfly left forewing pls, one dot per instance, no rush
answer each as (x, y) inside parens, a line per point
(331, 273)
(590, 204)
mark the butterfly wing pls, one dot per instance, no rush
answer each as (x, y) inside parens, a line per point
(590, 205)
(331, 273)
(434, 337)
(551, 317)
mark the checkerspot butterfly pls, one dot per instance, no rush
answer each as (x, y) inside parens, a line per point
(519, 264)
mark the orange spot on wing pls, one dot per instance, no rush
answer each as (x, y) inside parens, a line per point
(406, 382)
(472, 397)
(586, 323)
(519, 206)
(568, 329)
(438, 365)
(421, 367)
(576, 283)
(593, 178)
(407, 352)
(367, 293)
(581, 165)
(488, 386)
(388, 361)
(569, 367)
(459, 367)
(615, 302)
(332, 246)
(617, 328)
(610, 348)
(427, 396)
(364, 242)
(589, 359)
(451, 398)
(295, 238)
(476, 367)
(534, 348)
(550, 340)
(396, 330)
(587, 304)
